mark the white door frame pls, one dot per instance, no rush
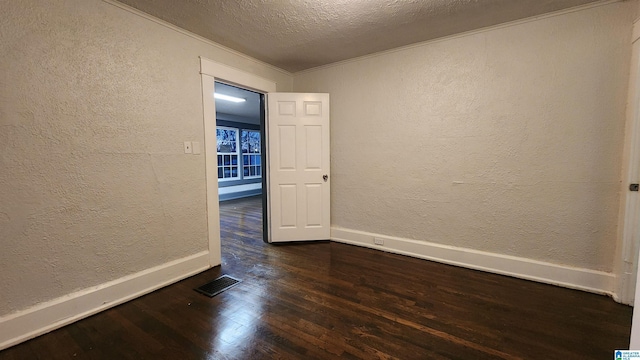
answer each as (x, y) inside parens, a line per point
(211, 72)
(627, 257)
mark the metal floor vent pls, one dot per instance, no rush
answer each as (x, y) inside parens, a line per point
(218, 285)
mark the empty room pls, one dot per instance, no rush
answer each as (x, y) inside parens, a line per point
(417, 179)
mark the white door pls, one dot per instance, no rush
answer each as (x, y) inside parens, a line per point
(299, 178)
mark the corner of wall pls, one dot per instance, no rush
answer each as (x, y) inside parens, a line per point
(627, 242)
(43, 318)
(570, 277)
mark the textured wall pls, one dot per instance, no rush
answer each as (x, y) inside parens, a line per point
(507, 141)
(95, 103)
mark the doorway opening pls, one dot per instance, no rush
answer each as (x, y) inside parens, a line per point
(298, 128)
(241, 163)
(211, 72)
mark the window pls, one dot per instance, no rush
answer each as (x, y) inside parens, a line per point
(227, 153)
(251, 164)
(233, 141)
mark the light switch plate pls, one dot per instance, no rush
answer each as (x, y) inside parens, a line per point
(187, 147)
(195, 145)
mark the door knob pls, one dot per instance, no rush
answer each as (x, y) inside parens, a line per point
(325, 177)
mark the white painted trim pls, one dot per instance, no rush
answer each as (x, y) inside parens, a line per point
(182, 31)
(627, 256)
(211, 170)
(225, 73)
(463, 34)
(211, 72)
(54, 314)
(239, 188)
(565, 276)
(634, 341)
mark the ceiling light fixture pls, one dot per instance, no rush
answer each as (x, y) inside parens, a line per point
(228, 98)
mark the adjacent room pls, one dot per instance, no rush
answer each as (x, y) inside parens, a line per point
(238, 142)
(387, 179)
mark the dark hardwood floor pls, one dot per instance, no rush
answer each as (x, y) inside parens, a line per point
(329, 300)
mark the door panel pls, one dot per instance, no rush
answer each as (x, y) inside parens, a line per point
(298, 159)
(313, 141)
(288, 200)
(287, 147)
(313, 196)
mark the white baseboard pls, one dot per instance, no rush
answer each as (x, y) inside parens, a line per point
(24, 325)
(575, 278)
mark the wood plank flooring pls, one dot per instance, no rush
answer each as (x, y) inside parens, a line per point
(328, 300)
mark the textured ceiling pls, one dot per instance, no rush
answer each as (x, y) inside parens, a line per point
(299, 34)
